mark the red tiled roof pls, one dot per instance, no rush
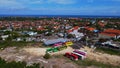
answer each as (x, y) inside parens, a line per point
(108, 34)
(114, 31)
(90, 28)
(76, 27)
(101, 24)
(41, 28)
(70, 31)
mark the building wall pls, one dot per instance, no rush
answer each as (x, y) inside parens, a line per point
(105, 36)
(118, 37)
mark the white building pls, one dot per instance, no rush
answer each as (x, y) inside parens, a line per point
(77, 34)
(32, 33)
(4, 37)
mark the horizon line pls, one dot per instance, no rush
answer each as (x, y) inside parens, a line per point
(55, 15)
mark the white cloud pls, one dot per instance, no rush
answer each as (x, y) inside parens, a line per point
(33, 1)
(90, 1)
(10, 4)
(112, 0)
(24, 3)
(53, 1)
(62, 1)
(115, 0)
(37, 2)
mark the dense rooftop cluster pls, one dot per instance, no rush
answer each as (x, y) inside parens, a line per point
(76, 29)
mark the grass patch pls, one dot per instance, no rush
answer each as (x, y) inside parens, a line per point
(88, 62)
(5, 44)
(108, 51)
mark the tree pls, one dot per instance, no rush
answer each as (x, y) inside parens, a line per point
(7, 32)
(48, 34)
(70, 36)
(9, 38)
(102, 40)
(0, 38)
(109, 25)
(15, 35)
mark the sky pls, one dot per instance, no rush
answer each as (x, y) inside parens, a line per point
(60, 7)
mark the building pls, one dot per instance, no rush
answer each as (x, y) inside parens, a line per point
(53, 41)
(74, 31)
(4, 37)
(90, 29)
(110, 33)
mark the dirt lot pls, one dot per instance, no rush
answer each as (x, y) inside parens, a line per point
(35, 51)
(41, 51)
(102, 57)
(34, 55)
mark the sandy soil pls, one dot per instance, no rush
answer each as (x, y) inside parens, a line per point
(41, 51)
(104, 58)
(34, 55)
(100, 57)
(35, 51)
(69, 49)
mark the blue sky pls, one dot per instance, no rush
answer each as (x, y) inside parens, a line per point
(60, 7)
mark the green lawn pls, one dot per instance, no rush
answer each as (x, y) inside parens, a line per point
(17, 44)
(108, 51)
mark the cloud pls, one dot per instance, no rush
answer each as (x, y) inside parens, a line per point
(37, 2)
(10, 4)
(54, 1)
(115, 0)
(32, 1)
(68, 6)
(90, 1)
(62, 1)
(24, 3)
(111, 0)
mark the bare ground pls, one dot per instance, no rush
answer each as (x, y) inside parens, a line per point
(102, 57)
(41, 51)
(34, 55)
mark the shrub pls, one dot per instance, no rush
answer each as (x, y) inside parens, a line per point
(47, 56)
(13, 64)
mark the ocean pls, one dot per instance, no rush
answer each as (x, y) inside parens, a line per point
(63, 16)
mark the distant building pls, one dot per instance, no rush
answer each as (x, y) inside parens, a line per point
(53, 41)
(110, 33)
(90, 29)
(32, 33)
(4, 37)
(40, 28)
(101, 24)
(106, 35)
(74, 31)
